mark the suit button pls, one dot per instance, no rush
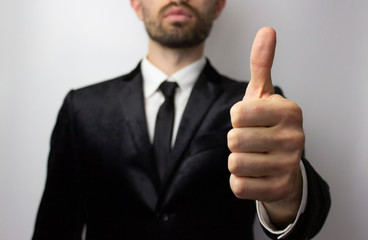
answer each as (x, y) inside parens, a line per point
(163, 217)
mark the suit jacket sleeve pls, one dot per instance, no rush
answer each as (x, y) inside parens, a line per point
(60, 214)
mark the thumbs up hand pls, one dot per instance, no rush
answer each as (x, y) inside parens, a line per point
(267, 140)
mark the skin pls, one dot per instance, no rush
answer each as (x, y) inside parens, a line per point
(170, 60)
(267, 138)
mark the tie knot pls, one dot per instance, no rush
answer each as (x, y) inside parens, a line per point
(168, 88)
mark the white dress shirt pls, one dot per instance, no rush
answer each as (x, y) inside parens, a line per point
(153, 97)
(186, 78)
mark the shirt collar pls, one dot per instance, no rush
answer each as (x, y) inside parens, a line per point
(185, 77)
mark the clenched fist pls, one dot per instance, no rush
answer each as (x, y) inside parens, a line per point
(267, 140)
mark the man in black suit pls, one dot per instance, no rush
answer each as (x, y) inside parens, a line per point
(142, 157)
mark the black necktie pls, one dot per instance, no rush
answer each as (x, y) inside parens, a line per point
(164, 128)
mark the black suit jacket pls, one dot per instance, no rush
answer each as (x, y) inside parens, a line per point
(101, 172)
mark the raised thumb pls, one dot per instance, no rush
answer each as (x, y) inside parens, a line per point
(261, 59)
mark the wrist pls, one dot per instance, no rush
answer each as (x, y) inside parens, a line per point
(283, 212)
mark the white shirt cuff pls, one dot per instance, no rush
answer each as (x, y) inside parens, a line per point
(265, 220)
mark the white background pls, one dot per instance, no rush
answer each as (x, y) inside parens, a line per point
(50, 46)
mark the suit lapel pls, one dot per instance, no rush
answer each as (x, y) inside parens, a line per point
(133, 107)
(132, 102)
(203, 95)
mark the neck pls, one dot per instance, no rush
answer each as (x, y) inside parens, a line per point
(170, 60)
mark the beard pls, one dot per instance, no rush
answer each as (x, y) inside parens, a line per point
(179, 34)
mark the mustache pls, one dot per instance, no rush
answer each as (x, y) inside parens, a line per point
(181, 4)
